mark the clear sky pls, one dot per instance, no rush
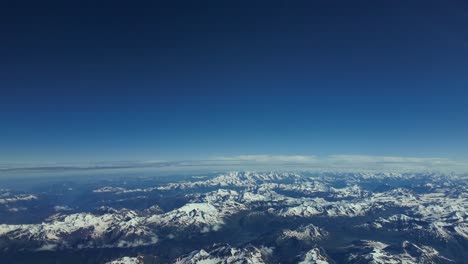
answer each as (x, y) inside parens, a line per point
(116, 80)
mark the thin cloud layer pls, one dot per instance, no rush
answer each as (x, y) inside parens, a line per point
(384, 159)
(267, 162)
(354, 162)
(270, 158)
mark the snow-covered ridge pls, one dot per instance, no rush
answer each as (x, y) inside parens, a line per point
(121, 229)
(127, 260)
(380, 253)
(314, 256)
(308, 232)
(18, 198)
(220, 254)
(436, 214)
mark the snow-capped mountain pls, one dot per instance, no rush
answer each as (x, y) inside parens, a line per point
(251, 217)
(307, 232)
(381, 253)
(315, 256)
(203, 216)
(219, 254)
(127, 260)
(17, 198)
(120, 229)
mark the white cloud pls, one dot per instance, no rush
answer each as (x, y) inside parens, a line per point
(270, 158)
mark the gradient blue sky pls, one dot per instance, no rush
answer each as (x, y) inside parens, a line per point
(114, 80)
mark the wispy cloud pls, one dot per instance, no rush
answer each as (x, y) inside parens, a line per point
(383, 159)
(270, 158)
(354, 162)
(395, 163)
(265, 162)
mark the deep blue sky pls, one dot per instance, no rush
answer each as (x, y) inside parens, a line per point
(116, 80)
